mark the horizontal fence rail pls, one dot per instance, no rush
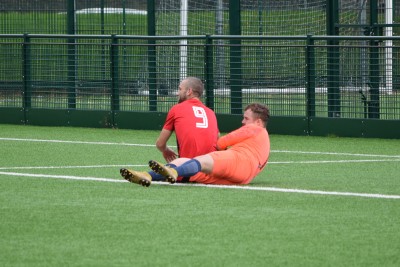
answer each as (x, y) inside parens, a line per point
(313, 83)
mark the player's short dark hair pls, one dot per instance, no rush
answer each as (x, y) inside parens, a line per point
(261, 111)
(196, 84)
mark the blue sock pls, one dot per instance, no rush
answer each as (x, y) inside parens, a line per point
(158, 177)
(188, 168)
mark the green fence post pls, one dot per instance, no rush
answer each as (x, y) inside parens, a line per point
(71, 59)
(125, 57)
(70, 17)
(333, 62)
(209, 72)
(114, 75)
(123, 17)
(373, 105)
(103, 49)
(310, 76)
(151, 54)
(102, 23)
(27, 75)
(235, 57)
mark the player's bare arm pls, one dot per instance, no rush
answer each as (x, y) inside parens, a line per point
(161, 144)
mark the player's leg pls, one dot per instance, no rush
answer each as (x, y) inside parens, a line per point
(206, 162)
(143, 178)
(158, 177)
(168, 173)
(232, 167)
(188, 167)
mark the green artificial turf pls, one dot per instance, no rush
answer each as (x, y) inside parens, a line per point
(50, 218)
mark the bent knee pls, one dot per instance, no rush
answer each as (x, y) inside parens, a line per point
(206, 162)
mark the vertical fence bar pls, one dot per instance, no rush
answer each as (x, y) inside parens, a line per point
(71, 17)
(71, 58)
(235, 57)
(71, 73)
(209, 72)
(124, 32)
(333, 61)
(102, 17)
(310, 76)
(151, 55)
(373, 104)
(123, 17)
(114, 54)
(220, 47)
(103, 49)
(373, 107)
(27, 75)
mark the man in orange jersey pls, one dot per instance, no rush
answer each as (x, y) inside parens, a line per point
(195, 125)
(241, 155)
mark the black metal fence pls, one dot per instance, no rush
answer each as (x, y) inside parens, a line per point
(119, 57)
(294, 75)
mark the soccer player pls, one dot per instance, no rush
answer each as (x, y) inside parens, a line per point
(241, 155)
(195, 125)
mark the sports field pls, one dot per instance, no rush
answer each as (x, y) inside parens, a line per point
(321, 201)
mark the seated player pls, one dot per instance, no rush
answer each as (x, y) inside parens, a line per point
(241, 155)
(195, 125)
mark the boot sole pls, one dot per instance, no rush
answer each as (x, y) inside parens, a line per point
(127, 175)
(156, 167)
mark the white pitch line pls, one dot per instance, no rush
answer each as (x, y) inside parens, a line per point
(333, 161)
(144, 165)
(147, 145)
(72, 142)
(70, 167)
(69, 177)
(272, 189)
(335, 153)
(303, 191)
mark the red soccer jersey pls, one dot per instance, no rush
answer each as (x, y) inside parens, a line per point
(195, 126)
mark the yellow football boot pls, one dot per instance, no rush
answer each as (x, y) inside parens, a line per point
(170, 174)
(142, 178)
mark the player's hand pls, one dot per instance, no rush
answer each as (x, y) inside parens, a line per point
(220, 149)
(169, 155)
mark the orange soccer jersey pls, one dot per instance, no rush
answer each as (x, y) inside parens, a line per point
(246, 156)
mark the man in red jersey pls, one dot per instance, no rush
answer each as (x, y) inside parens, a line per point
(241, 156)
(195, 125)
